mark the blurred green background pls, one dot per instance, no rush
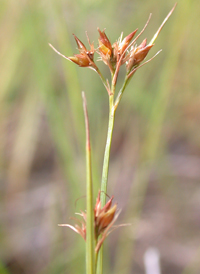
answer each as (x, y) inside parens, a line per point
(155, 156)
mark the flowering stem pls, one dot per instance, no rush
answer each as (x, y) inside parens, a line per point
(103, 80)
(90, 256)
(113, 104)
(104, 178)
(107, 148)
(112, 108)
(119, 96)
(105, 175)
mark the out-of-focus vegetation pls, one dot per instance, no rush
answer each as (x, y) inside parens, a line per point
(155, 157)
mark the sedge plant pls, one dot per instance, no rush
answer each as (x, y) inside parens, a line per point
(98, 220)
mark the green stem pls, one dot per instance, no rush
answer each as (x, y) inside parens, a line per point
(90, 256)
(103, 80)
(112, 108)
(104, 179)
(119, 96)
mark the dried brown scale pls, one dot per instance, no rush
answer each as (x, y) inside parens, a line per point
(105, 50)
(80, 45)
(81, 60)
(105, 46)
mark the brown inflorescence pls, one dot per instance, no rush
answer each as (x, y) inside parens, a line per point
(104, 219)
(123, 51)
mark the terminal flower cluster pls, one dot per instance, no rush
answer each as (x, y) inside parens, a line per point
(124, 51)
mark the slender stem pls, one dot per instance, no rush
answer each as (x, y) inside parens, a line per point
(107, 149)
(112, 108)
(90, 256)
(119, 95)
(102, 79)
(104, 179)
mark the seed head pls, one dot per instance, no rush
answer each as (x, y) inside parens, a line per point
(103, 216)
(138, 54)
(81, 59)
(104, 219)
(121, 46)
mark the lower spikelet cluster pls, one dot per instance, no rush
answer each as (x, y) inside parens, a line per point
(104, 219)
